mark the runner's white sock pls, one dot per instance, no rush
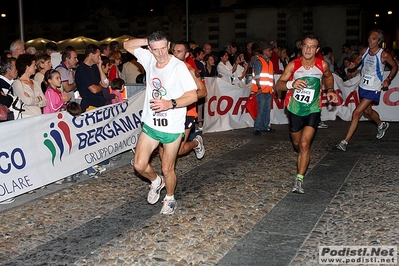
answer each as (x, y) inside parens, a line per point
(170, 197)
(156, 182)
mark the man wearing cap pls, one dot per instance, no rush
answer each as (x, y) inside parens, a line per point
(262, 86)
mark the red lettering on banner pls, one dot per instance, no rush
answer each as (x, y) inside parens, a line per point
(225, 104)
(388, 94)
(210, 102)
(352, 98)
(240, 103)
(229, 104)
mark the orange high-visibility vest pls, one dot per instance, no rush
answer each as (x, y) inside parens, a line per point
(266, 78)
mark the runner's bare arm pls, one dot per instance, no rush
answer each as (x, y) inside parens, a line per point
(133, 44)
(201, 89)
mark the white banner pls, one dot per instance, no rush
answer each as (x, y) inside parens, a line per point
(47, 148)
(225, 104)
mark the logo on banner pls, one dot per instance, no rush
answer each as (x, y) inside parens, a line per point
(59, 134)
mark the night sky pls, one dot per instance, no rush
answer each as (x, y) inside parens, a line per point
(48, 11)
(45, 10)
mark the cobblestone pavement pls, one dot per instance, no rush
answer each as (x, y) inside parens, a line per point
(234, 206)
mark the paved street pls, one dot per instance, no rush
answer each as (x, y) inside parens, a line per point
(235, 206)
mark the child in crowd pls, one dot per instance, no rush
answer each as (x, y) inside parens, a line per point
(105, 66)
(117, 87)
(115, 59)
(74, 109)
(56, 99)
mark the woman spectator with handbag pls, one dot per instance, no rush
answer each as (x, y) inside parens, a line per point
(27, 89)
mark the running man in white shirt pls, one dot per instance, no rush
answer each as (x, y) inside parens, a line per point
(169, 89)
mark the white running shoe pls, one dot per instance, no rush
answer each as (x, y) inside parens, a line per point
(322, 125)
(200, 149)
(169, 207)
(342, 145)
(381, 131)
(153, 194)
(298, 188)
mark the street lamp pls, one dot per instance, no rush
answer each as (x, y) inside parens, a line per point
(21, 20)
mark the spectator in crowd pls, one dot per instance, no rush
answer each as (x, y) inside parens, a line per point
(372, 61)
(283, 59)
(52, 50)
(199, 54)
(43, 63)
(248, 55)
(207, 48)
(210, 67)
(115, 59)
(90, 80)
(28, 90)
(239, 76)
(67, 71)
(105, 66)
(234, 50)
(343, 70)
(114, 46)
(274, 57)
(31, 50)
(131, 69)
(346, 52)
(104, 49)
(305, 75)
(328, 56)
(167, 106)
(192, 45)
(17, 48)
(118, 87)
(8, 73)
(56, 99)
(248, 51)
(6, 98)
(262, 87)
(297, 49)
(224, 68)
